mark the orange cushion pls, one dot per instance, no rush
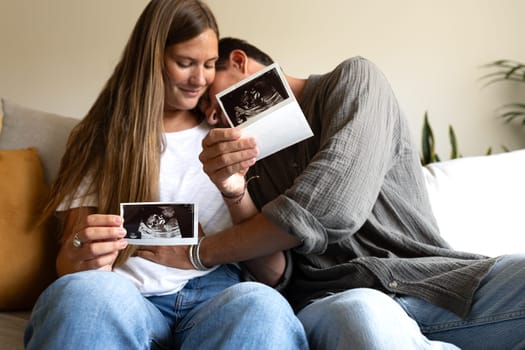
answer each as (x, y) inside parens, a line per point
(27, 250)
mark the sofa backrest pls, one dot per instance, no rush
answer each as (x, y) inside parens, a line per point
(478, 202)
(24, 127)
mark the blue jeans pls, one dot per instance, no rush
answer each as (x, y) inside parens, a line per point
(103, 310)
(368, 319)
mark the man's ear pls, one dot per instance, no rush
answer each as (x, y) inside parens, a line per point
(239, 60)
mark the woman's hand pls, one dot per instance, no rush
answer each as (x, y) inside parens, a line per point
(90, 241)
(226, 157)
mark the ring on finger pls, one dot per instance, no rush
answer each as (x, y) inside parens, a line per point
(77, 243)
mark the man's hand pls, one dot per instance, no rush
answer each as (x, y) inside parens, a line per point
(173, 256)
(226, 157)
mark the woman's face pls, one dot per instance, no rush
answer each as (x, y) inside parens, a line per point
(190, 69)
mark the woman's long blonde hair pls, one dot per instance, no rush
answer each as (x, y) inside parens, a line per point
(119, 142)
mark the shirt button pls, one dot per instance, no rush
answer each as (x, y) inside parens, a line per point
(393, 284)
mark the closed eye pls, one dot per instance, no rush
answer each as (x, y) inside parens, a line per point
(184, 64)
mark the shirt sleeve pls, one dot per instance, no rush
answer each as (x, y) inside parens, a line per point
(357, 114)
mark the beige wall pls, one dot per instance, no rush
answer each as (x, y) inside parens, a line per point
(56, 54)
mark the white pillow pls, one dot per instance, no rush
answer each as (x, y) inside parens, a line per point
(479, 202)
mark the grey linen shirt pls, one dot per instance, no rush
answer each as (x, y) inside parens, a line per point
(355, 195)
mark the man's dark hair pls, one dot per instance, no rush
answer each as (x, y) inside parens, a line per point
(227, 45)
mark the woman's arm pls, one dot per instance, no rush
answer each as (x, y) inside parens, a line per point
(266, 269)
(101, 237)
(230, 180)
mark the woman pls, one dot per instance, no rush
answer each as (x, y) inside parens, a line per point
(140, 143)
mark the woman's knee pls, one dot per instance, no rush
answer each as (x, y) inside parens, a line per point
(259, 298)
(87, 288)
(254, 315)
(250, 302)
(264, 314)
(95, 306)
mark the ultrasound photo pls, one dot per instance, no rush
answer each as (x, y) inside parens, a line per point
(254, 97)
(264, 107)
(160, 223)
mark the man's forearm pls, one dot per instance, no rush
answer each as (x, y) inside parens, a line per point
(254, 238)
(268, 269)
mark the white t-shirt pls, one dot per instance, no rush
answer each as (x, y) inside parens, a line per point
(181, 180)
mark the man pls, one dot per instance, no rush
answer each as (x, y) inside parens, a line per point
(368, 268)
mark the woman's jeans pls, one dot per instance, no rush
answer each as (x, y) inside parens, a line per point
(363, 319)
(103, 310)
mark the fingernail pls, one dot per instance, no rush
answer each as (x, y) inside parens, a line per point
(123, 243)
(236, 132)
(118, 219)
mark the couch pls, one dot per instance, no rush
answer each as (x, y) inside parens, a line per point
(477, 201)
(31, 145)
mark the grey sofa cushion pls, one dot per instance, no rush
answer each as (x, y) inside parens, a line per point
(24, 127)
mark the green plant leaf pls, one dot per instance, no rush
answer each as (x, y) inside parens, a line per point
(508, 70)
(454, 152)
(505, 70)
(427, 142)
(512, 111)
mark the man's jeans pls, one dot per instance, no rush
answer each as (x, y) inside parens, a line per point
(367, 319)
(103, 310)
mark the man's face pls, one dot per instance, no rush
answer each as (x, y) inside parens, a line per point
(223, 80)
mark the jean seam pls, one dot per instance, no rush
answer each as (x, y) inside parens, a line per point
(474, 322)
(507, 316)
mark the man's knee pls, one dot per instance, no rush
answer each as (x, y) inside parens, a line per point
(361, 319)
(353, 309)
